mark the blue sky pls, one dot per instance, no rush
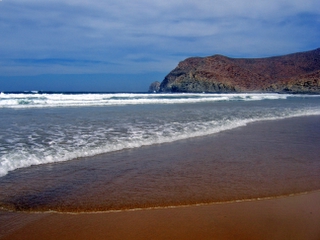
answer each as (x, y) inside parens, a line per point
(117, 45)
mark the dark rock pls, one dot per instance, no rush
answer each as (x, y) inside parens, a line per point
(154, 87)
(292, 73)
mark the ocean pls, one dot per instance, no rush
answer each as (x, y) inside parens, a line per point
(41, 129)
(44, 128)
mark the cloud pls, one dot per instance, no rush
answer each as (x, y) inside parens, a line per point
(140, 36)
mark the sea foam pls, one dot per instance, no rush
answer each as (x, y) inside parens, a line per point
(61, 129)
(37, 100)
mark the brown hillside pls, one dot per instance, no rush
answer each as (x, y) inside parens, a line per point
(298, 72)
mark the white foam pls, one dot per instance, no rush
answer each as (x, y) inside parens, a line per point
(37, 100)
(84, 146)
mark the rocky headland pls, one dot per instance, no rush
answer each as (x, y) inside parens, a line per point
(292, 73)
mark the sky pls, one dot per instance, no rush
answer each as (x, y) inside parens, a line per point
(117, 45)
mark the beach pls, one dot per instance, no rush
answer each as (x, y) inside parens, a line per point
(293, 218)
(260, 181)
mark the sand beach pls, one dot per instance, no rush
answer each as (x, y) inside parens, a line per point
(264, 184)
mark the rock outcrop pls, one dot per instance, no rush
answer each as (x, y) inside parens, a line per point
(154, 87)
(292, 73)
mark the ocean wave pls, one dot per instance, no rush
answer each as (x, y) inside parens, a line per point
(44, 100)
(54, 152)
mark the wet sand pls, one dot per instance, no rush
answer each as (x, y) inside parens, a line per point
(294, 218)
(271, 159)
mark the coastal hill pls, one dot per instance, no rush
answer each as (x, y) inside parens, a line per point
(292, 73)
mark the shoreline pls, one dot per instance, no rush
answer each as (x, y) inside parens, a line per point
(260, 160)
(4, 210)
(295, 217)
(272, 168)
(244, 123)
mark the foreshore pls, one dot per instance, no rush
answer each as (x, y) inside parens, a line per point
(260, 181)
(295, 217)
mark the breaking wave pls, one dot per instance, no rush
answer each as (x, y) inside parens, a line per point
(42, 100)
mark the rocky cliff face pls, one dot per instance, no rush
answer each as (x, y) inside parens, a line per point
(294, 73)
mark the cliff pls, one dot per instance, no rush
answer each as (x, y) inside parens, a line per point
(293, 73)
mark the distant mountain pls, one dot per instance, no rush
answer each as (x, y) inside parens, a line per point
(292, 73)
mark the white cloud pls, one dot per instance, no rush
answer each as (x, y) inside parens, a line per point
(128, 33)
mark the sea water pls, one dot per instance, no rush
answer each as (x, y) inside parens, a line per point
(40, 128)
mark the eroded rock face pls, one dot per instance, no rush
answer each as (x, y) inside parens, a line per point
(154, 87)
(294, 73)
